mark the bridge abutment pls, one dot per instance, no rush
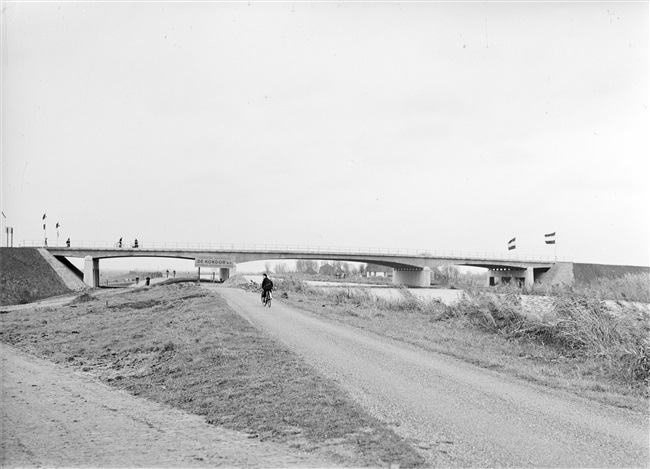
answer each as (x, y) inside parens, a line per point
(224, 273)
(525, 276)
(412, 277)
(91, 272)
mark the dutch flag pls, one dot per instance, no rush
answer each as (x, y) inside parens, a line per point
(549, 238)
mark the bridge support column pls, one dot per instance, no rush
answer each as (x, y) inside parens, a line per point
(91, 272)
(412, 277)
(530, 277)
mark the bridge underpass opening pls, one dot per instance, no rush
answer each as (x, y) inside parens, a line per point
(522, 276)
(412, 277)
(103, 272)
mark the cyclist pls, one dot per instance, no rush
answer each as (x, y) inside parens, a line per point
(267, 286)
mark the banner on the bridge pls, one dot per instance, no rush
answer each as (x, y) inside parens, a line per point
(214, 262)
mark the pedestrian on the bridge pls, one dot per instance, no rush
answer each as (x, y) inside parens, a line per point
(174, 274)
(119, 243)
(67, 243)
(267, 286)
(167, 273)
(135, 243)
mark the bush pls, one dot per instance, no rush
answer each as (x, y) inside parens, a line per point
(590, 327)
(579, 325)
(496, 311)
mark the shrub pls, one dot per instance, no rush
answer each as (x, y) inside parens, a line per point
(497, 311)
(622, 340)
(579, 325)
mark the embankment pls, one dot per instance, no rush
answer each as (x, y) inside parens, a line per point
(26, 275)
(570, 273)
(587, 273)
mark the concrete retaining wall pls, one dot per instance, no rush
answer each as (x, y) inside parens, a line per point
(560, 274)
(70, 280)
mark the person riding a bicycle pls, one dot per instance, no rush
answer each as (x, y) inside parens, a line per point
(267, 286)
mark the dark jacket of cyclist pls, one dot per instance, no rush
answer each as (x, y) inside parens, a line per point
(267, 285)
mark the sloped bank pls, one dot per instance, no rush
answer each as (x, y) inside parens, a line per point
(26, 276)
(570, 273)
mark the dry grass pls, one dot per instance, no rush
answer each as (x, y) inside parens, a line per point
(630, 287)
(183, 346)
(578, 344)
(25, 276)
(616, 343)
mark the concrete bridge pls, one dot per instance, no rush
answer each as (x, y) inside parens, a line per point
(410, 267)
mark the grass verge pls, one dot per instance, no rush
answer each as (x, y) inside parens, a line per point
(575, 343)
(182, 346)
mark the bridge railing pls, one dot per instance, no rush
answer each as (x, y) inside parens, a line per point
(299, 249)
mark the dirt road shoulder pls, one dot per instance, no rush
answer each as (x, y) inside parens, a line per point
(53, 416)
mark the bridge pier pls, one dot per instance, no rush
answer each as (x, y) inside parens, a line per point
(91, 272)
(412, 277)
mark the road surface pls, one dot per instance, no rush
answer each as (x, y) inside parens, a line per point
(455, 413)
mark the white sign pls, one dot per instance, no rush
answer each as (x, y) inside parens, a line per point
(214, 262)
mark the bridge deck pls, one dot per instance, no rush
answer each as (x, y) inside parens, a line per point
(396, 258)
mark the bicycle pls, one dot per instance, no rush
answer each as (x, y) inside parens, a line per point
(266, 300)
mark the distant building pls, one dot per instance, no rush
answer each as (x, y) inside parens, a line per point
(326, 269)
(310, 271)
(340, 273)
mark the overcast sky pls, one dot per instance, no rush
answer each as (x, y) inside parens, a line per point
(438, 126)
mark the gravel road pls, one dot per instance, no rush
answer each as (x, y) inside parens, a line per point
(54, 417)
(456, 414)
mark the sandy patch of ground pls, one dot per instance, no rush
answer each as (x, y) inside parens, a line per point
(52, 416)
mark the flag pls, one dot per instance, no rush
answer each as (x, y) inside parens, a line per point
(44, 216)
(511, 244)
(550, 238)
(57, 224)
(43, 225)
